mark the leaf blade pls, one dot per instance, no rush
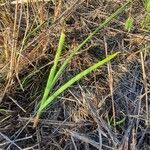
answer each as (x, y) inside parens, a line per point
(129, 24)
(101, 26)
(53, 69)
(75, 79)
(148, 6)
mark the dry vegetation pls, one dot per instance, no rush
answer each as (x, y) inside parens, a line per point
(108, 109)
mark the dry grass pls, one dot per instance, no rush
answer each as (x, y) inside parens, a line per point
(108, 109)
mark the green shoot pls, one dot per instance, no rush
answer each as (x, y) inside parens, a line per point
(129, 24)
(53, 69)
(101, 26)
(118, 123)
(69, 83)
(54, 77)
(148, 6)
(75, 79)
(146, 20)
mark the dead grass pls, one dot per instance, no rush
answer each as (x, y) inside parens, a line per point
(88, 115)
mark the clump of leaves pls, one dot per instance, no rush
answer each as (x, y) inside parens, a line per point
(53, 75)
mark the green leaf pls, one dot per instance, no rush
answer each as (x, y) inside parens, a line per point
(101, 26)
(148, 6)
(75, 79)
(129, 24)
(53, 69)
(54, 77)
(121, 121)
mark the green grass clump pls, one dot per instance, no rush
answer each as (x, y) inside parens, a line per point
(53, 75)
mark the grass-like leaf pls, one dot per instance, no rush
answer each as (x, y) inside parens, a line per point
(75, 79)
(53, 78)
(53, 69)
(146, 19)
(148, 6)
(101, 26)
(69, 83)
(129, 24)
